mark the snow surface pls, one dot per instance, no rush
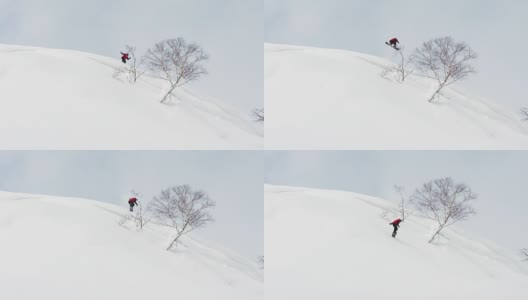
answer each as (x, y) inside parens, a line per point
(335, 99)
(68, 248)
(323, 244)
(63, 99)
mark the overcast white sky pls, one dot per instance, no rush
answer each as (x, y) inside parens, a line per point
(232, 178)
(498, 177)
(495, 29)
(229, 30)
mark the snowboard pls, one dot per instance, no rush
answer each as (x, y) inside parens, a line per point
(394, 47)
(394, 234)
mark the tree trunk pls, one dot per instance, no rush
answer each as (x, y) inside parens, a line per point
(174, 241)
(170, 91)
(180, 233)
(440, 87)
(436, 233)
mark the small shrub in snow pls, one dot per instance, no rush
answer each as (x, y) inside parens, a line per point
(524, 113)
(524, 252)
(177, 62)
(445, 61)
(258, 114)
(183, 209)
(260, 261)
(444, 201)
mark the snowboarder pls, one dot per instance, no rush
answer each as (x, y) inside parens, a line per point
(396, 225)
(393, 43)
(132, 202)
(124, 57)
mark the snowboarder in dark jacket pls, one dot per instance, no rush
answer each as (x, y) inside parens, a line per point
(132, 202)
(393, 42)
(396, 225)
(124, 57)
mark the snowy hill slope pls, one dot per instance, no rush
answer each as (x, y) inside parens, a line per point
(68, 248)
(335, 99)
(63, 99)
(323, 244)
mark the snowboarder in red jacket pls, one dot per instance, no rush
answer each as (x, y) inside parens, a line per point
(124, 57)
(393, 42)
(132, 202)
(396, 225)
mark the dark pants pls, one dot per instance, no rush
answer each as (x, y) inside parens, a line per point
(395, 229)
(131, 206)
(123, 60)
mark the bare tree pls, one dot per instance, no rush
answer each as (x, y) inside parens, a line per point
(524, 252)
(402, 70)
(444, 201)
(524, 113)
(258, 114)
(445, 61)
(183, 209)
(135, 72)
(139, 217)
(177, 62)
(403, 208)
(405, 66)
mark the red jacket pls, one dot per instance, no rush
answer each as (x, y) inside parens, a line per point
(394, 40)
(396, 222)
(125, 56)
(132, 201)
